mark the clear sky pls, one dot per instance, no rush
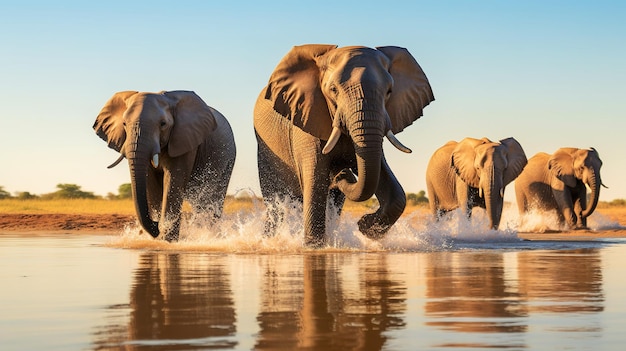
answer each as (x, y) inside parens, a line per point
(549, 73)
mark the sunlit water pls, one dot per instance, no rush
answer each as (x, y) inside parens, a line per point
(426, 286)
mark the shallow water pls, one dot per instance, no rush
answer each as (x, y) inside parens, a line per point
(443, 286)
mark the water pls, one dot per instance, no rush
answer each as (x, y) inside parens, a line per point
(426, 286)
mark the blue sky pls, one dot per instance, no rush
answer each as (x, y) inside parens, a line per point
(549, 73)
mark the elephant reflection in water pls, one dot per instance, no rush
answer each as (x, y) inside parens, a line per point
(556, 277)
(480, 286)
(311, 304)
(170, 287)
(174, 297)
(470, 285)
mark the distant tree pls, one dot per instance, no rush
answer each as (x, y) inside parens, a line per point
(417, 199)
(125, 191)
(69, 191)
(4, 194)
(25, 195)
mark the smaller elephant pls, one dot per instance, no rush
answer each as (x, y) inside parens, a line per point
(559, 182)
(178, 148)
(473, 172)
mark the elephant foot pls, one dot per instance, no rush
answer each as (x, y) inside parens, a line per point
(315, 242)
(171, 231)
(373, 226)
(170, 237)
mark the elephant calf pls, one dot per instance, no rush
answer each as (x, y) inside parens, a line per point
(177, 148)
(473, 172)
(559, 182)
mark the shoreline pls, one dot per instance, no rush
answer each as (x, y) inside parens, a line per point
(112, 224)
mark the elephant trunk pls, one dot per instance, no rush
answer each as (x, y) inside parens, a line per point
(494, 199)
(138, 155)
(594, 184)
(368, 173)
(367, 137)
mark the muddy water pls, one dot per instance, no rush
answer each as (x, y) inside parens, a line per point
(228, 288)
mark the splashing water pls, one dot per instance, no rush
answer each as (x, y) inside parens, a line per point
(537, 221)
(243, 232)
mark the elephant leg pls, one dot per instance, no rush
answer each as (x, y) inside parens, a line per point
(278, 183)
(210, 177)
(464, 196)
(336, 198)
(315, 195)
(566, 207)
(207, 191)
(392, 200)
(580, 204)
(315, 182)
(175, 179)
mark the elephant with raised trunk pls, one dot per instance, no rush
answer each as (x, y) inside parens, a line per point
(177, 147)
(559, 182)
(473, 173)
(320, 124)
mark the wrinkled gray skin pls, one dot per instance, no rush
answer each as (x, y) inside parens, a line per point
(177, 147)
(559, 182)
(473, 173)
(320, 124)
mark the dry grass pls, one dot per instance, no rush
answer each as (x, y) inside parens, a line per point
(231, 205)
(74, 206)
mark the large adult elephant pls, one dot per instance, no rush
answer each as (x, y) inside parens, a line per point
(320, 123)
(177, 148)
(473, 173)
(559, 182)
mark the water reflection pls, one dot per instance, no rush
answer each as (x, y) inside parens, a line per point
(178, 302)
(469, 292)
(492, 293)
(338, 301)
(562, 281)
(329, 302)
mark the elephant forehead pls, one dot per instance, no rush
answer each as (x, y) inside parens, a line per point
(146, 103)
(356, 57)
(587, 158)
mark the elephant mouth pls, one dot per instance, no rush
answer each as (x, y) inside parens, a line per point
(336, 134)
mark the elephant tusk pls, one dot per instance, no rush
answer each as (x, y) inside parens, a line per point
(155, 160)
(116, 162)
(395, 142)
(502, 192)
(605, 187)
(332, 140)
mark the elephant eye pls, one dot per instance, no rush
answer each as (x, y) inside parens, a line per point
(333, 89)
(162, 123)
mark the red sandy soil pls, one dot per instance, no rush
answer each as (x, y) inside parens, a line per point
(63, 222)
(114, 223)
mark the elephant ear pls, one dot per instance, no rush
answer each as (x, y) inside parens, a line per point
(464, 160)
(411, 90)
(109, 124)
(295, 93)
(516, 159)
(193, 122)
(561, 166)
